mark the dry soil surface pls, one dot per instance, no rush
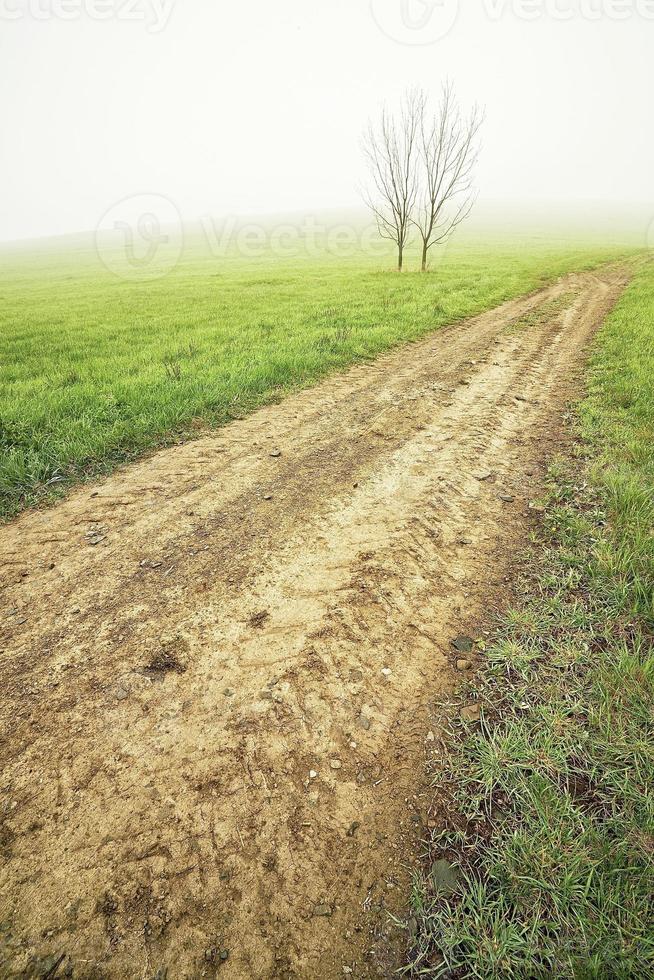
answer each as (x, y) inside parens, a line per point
(220, 666)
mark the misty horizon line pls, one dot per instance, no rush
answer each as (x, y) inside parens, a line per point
(500, 211)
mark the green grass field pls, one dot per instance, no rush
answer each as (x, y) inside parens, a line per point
(549, 853)
(95, 368)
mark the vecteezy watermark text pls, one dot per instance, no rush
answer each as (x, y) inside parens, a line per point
(155, 14)
(142, 237)
(568, 9)
(419, 22)
(308, 237)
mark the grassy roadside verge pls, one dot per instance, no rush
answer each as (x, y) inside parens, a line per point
(96, 369)
(546, 865)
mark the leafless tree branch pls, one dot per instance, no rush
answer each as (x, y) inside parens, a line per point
(448, 149)
(391, 150)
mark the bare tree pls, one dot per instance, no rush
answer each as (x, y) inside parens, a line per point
(391, 150)
(448, 150)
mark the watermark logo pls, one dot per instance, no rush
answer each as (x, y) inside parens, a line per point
(140, 237)
(415, 22)
(154, 14)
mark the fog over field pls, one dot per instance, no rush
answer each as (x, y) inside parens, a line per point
(258, 108)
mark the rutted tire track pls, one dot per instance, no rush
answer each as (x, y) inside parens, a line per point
(156, 817)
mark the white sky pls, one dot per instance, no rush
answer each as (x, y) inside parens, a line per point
(258, 105)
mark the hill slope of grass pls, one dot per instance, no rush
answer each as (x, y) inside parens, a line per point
(549, 855)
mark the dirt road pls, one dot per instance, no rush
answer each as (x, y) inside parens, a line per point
(219, 666)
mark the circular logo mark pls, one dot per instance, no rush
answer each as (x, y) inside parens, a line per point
(415, 21)
(140, 237)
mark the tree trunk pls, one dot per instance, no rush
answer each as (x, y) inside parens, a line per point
(424, 257)
(400, 257)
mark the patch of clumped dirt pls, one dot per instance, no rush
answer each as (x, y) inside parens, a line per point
(216, 711)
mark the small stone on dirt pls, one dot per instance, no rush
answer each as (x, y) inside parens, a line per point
(121, 694)
(471, 712)
(507, 498)
(463, 664)
(322, 909)
(463, 644)
(335, 763)
(387, 672)
(483, 475)
(365, 723)
(313, 774)
(164, 662)
(275, 453)
(444, 877)
(258, 619)
(268, 496)
(352, 829)
(214, 955)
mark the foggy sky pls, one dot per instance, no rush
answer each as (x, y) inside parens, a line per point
(258, 106)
